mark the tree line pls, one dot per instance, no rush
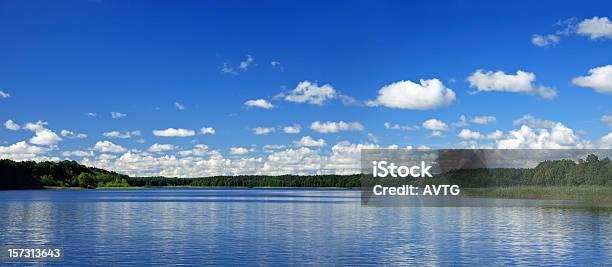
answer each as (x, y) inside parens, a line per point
(30, 174)
(347, 181)
(588, 171)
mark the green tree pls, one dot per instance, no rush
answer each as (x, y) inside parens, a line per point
(47, 179)
(87, 180)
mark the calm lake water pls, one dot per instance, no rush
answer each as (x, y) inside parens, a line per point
(293, 226)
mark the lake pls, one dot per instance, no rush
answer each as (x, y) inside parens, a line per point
(293, 226)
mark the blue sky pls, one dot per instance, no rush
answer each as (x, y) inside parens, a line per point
(62, 60)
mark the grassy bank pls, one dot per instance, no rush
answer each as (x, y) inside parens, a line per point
(595, 194)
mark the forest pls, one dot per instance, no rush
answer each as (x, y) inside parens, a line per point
(588, 171)
(30, 174)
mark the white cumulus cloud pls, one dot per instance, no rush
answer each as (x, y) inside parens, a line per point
(161, 147)
(396, 126)
(483, 120)
(293, 129)
(238, 151)
(334, 127)
(312, 93)
(24, 151)
(197, 150)
(35, 126)
(596, 27)
(545, 40)
(124, 135)
(495, 135)
(469, 134)
(207, 130)
(4, 94)
(72, 135)
(260, 103)
(11, 125)
(173, 132)
(600, 79)
(262, 130)
(435, 125)
(559, 136)
(429, 94)
(77, 153)
(308, 141)
(42, 135)
(145, 164)
(521, 82)
(106, 157)
(108, 147)
(272, 148)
